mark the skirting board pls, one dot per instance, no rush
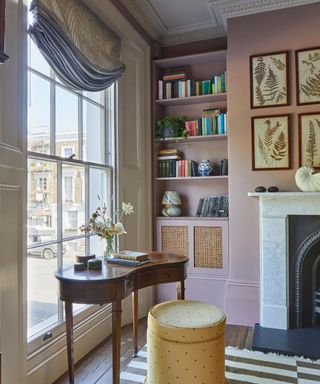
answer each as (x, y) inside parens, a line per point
(242, 302)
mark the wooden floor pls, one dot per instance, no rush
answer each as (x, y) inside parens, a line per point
(96, 367)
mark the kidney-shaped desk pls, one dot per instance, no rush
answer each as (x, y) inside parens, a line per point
(112, 284)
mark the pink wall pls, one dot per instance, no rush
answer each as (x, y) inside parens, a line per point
(287, 29)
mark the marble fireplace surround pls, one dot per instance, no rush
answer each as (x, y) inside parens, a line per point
(274, 209)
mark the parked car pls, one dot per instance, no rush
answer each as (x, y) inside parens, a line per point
(38, 234)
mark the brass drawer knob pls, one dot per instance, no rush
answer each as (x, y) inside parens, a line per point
(167, 274)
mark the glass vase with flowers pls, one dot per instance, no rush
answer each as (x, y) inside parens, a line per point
(106, 226)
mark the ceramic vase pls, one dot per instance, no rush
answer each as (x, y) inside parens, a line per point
(205, 168)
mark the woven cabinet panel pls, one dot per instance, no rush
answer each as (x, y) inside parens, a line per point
(208, 247)
(174, 239)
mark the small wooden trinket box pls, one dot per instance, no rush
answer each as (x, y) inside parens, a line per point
(84, 259)
(79, 267)
(95, 264)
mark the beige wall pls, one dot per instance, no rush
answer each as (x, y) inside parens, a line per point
(288, 29)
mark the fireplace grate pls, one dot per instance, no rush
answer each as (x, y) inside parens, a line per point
(317, 302)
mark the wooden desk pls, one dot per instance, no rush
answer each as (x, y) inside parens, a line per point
(111, 285)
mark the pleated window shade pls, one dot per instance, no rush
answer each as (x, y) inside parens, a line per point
(83, 52)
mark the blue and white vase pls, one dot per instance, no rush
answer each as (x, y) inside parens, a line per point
(205, 168)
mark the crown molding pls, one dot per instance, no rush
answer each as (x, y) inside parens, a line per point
(194, 35)
(234, 8)
(147, 17)
(220, 11)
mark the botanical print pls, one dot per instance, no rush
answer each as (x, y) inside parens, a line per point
(271, 142)
(269, 80)
(308, 66)
(310, 140)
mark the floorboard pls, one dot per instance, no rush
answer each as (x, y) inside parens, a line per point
(96, 366)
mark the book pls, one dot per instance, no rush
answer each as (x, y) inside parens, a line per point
(125, 262)
(169, 152)
(131, 255)
(170, 157)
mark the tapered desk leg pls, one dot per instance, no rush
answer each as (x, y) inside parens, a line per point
(135, 321)
(116, 340)
(69, 330)
(180, 290)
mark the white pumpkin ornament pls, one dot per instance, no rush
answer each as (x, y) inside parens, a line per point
(306, 180)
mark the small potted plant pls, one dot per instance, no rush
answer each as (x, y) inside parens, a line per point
(170, 127)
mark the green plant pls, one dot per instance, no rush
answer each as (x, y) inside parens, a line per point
(171, 127)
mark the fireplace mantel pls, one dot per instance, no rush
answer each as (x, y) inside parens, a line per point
(274, 209)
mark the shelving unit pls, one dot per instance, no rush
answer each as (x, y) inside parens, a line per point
(212, 98)
(203, 239)
(193, 139)
(193, 178)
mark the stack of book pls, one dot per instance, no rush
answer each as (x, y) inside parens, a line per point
(219, 83)
(129, 258)
(186, 168)
(176, 85)
(212, 122)
(167, 161)
(224, 167)
(213, 206)
(177, 168)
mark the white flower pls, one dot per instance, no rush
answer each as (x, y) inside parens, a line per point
(127, 208)
(118, 229)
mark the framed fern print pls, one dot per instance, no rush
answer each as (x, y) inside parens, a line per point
(308, 76)
(271, 142)
(269, 80)
(309, 139)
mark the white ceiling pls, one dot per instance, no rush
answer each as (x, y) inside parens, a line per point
(180, 21)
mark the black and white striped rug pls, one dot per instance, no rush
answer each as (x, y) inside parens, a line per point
(244, 366)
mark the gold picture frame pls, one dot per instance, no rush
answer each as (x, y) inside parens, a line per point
(308, 75)
(269, 80)
(309, 139)
(271, 142)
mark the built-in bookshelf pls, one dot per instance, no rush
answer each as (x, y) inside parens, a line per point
(213, 147)
(186, 233)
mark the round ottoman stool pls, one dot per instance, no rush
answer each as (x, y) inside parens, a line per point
(185, 343)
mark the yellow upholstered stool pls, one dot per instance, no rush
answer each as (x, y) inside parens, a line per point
(185, 343)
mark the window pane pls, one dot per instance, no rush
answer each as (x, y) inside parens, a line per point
(42, 292)
(93, 139)
(98, 97)
(39, 115)
(42, 204)
(97, 246)
(36, 60)
(66, 122)
(70, 251)
(100, 189)
(73, 199)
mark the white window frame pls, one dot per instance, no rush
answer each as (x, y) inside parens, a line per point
(35, 341)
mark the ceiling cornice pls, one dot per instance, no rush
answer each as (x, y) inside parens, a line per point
(220, 11)
(234, 8)
(192, 36)
(147, 17)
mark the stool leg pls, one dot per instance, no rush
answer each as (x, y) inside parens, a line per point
(180, 290)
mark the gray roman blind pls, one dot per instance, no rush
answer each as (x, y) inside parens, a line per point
(83, 52)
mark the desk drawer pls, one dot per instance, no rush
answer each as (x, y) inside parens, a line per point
(158, 276)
